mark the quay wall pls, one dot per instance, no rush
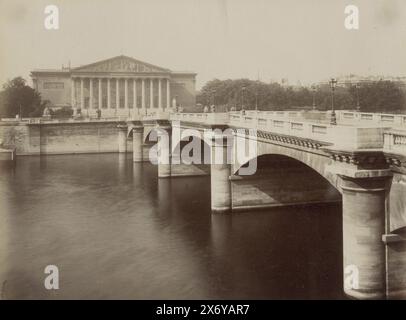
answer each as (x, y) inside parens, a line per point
(61, 138)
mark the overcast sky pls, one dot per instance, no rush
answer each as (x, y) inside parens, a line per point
(300, 40)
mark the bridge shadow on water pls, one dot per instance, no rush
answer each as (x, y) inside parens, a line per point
(290, 252)
(117, 231)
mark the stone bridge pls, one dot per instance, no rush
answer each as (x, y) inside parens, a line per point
(300, 159)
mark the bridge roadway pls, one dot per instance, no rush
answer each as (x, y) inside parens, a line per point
(301, 158)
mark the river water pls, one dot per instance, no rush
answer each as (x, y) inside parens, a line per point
(116, 231)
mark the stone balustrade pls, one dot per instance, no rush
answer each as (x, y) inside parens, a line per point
(343, 117)
(395, 141)
(67, 120)
(350, 117)
(341, 136)
(205, 118)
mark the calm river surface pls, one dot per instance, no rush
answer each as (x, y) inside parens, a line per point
(117, 231)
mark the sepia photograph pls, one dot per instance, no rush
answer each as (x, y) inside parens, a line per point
(222, 151)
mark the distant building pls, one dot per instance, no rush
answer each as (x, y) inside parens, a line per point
(117, 86)
(352, 79)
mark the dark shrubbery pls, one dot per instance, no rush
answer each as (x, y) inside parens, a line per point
(377, 96)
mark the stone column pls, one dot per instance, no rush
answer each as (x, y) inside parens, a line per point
(117, 93)
(138, 143)
(82, 97)
(143, 94)
(108, 94)
(164, 152)
(363, 226)
(126, 93)
(220, 175)
(160, 94)
(100, 93)
(72, 94)
(168, 94)
(135, 94)
(90, 93)
(151, 94)
(122, 138)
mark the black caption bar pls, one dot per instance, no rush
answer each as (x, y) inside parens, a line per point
(191, 309)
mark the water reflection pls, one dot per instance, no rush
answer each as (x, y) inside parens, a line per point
(117, 231)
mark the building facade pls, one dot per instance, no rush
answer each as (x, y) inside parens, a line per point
(120, 86)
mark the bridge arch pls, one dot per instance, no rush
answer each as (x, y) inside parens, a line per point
(147, 134)
(194, 141)
(314, 159)
(280, 180)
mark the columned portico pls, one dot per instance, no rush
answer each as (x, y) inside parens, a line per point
(128, 88)
(115, 86)
(111, 86)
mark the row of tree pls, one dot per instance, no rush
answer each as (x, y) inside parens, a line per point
(377, 96)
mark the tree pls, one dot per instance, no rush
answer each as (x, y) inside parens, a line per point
(16, 97)
(377, 96)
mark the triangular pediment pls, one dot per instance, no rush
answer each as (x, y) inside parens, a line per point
(121, 64)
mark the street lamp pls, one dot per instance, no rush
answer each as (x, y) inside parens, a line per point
(314, 96)
(358, 106)
(242, 98)
(256, 96)
(333, 120)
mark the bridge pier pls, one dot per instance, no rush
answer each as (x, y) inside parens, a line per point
(122, 138)
(164, 152)
(364, 207)
(220, 175)
(138, 143)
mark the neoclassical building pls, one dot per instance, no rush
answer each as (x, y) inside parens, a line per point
(117, 86)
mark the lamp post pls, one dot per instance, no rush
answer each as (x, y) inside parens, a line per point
(358, 106)
(256, 96)
(242, 98)
(314, 97)
(333, 120)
